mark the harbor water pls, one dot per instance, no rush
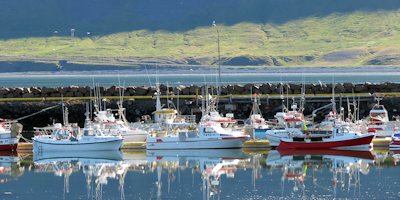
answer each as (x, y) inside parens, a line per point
(201, 174)
(202, 76)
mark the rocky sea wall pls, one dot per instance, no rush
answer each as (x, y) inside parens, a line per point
(76, 91)
(137, 107)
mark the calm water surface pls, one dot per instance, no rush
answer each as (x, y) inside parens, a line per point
(201, 174)
(200, 76)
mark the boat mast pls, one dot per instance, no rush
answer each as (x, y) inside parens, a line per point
(64, 112)
(158, 101)
(219, 63)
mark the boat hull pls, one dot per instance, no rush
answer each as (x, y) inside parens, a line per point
(8, 147)
(394, 145)
(8, 144)
(357, 142)
(228, 143)
(109, 145)
(275, 138)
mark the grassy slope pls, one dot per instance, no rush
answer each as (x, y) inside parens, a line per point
(372, 32)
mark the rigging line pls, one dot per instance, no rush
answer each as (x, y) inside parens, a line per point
(43, 110)
(148, 77)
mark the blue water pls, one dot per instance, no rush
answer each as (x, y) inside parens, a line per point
(172, 80)
(202, 174)
(200, 76)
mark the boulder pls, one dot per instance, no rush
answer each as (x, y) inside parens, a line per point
(141, 91)
(360, 88)
(4, 91)
(28, 95)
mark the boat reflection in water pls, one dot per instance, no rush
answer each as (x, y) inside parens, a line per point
(97, 166)
(10, 168)
(201, 174)
(211, 164)
(297, 166)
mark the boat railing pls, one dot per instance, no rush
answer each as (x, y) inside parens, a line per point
(43, 130)
(185, 118)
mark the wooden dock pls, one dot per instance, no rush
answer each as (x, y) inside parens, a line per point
(133, 146)
(381, 142)
(256, 144)
(249, 145)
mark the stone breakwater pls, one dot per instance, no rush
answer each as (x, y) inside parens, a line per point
(136, 107)
(75, 91)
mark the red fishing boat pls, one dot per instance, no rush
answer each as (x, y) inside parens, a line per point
(8, 141)
(338, 140)
(395, 144)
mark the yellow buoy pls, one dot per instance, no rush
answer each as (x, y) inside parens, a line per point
(381, 142)
(134, 145)
(257, 144)
(25, 147)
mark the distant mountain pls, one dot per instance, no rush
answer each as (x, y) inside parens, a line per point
(179, 32)
(24, 18)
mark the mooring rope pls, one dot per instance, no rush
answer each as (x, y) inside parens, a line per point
(33, 114)
(26, 139)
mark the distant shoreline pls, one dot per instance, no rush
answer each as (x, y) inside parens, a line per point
(155, 71)
(86, 74)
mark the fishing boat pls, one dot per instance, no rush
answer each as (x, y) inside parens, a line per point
(395, 144)
(168, 117)
(294, 126)
(210, 136)
(9, 135)
(69, 137)
(112, 126)
(341, 138)
(256, 122)
(378, 121)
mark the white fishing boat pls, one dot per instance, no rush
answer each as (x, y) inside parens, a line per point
(169, 115)
(210, 136)
(256, 123)
(111, 126)
(69, 137)
(378, 121)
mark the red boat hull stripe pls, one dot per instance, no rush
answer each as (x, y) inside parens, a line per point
(8, 147)
(326, 145)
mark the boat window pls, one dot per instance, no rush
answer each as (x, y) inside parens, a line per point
(192, 135)
(377, 114)
(316, 139)
(209, 130)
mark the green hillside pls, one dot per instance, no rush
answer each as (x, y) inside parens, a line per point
(339, 39)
